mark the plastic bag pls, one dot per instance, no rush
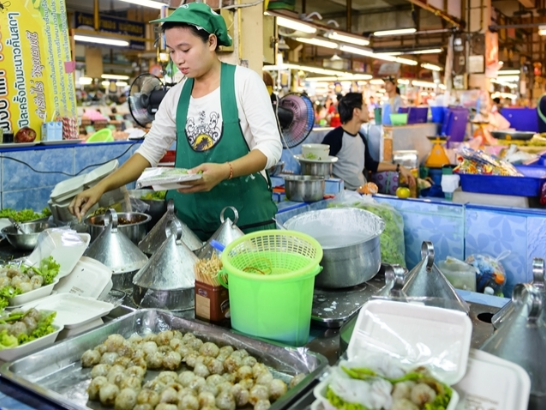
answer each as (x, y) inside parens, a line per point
(161, 179)
(478, 162)
(460, 274)
(117, 199)
(393, 248)
(138, 205)
(490, 276)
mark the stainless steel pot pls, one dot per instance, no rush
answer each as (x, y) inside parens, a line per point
(304, 188)
(321, 169)
(135, 230)
(350, 242)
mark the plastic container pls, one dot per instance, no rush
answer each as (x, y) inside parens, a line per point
(271, 277)
(437, 114)
(9, 355)
(529, 185)
(104, 135)
(399, 119)
(211, 303)
(377, 115)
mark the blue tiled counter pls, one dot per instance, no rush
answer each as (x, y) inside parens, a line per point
(28, 175)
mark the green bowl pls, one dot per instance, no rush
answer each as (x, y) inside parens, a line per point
(399, 119)
(104, 135)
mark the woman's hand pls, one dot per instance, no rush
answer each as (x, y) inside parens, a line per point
(84, 201)
(408, 176)
(213, 174)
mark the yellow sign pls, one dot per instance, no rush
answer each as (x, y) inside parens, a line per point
(36, 80)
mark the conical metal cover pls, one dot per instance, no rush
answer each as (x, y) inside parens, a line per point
(155, 238)
(167, 281)
(426, 280)
(395, 276)
(225, 234)
(115, 250)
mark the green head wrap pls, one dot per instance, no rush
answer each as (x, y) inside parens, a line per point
(201, 16)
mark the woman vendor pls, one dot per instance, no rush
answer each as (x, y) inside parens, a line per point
(221, 117)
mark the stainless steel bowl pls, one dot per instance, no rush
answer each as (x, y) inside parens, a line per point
(321, 169)
(135, 229)
(157, 209)
(304, 188)
(28, 240)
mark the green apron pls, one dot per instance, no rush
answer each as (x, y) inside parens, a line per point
(251, 195)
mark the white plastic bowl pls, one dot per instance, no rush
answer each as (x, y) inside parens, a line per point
(315, 151)
(9, 355)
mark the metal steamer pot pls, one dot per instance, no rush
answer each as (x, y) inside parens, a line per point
(321, 169)
(350, 241)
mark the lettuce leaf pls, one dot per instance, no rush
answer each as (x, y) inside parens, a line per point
(7, 341)
(341, 404)
(44, 327)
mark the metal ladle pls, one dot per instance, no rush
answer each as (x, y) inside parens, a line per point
(16, 224)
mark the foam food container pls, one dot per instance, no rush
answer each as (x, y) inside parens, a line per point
(493, 383)
(89, 278)
(9, 355)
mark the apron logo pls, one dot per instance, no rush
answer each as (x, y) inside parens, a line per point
(204, 134)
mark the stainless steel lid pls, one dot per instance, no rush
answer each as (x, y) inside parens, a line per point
(114, 249)
(155, 238)
(428, 282)
(225, 234)
(522, 340)
(509, 308)
(171, 267)
(167, 281)
(395, 277)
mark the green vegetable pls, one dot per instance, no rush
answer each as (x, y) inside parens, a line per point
(311, 156)
(341, 404)
(392, 239)
(48, 269)
(24, 215)
(43, 328)
(4, 302)
(7, 341)
(154, 196)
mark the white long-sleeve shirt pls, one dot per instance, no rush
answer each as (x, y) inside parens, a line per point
(256, 117)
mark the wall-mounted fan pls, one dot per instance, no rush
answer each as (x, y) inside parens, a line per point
(145, 95)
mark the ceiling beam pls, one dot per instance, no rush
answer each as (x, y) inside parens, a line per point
(440, 13)
(528, 3)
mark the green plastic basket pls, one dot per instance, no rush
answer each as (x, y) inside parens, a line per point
(271, 279)
(271, 254)
(399, 119)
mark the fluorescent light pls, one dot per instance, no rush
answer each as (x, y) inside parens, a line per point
(417, 83)
(399, 53)
(147, 3)
(377, 81)
(310, 69)
(359, 41)
(101, 40)
(295, 25)
(317, 42)
(403, 81)
(432, 67)
(406, 61)
(86, 81)
(115, 77)
(509, 78)
(542, 30)
(351, 77)
(366, 53)
(442, 86)
(106, 84)
(508, 72)
(399, 32)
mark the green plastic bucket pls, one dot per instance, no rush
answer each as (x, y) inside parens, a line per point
(271, 278)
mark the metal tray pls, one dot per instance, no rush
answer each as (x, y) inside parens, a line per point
(56, 373)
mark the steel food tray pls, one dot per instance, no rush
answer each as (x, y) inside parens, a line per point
(56, 373)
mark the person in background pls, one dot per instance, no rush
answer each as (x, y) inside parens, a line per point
(496, 102)
(372, 105)
(393, 94)
(334, 119)
(350, 146)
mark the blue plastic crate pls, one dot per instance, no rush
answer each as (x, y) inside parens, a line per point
(529, 185)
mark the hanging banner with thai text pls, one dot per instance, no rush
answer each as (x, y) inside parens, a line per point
(36, 80)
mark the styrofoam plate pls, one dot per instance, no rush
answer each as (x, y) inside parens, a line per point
(322, 402)
(9, 355)
(416, 335)
(99, 173)
(493, 383)
(67, 189)
(72, 310)
(89, 278)
(64, 245)
(39, 293)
